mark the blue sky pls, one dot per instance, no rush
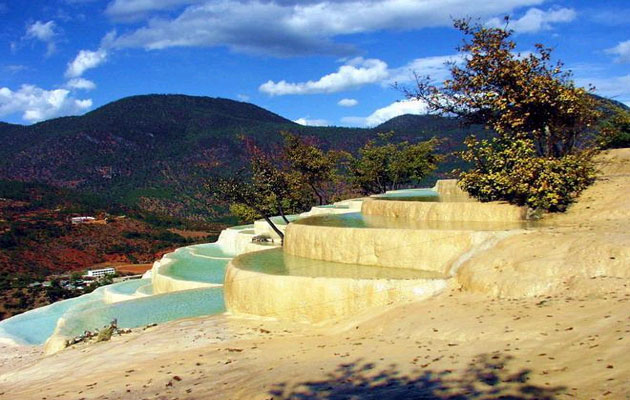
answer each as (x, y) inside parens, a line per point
(312, 61)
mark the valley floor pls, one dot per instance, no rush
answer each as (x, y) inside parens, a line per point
(543, 315)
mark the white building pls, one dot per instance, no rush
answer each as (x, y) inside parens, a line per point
(99, 273)
(81, 220)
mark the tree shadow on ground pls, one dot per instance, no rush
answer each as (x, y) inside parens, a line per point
(486, 377)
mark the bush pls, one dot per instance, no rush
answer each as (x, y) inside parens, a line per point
(614, 132)
(512, 171)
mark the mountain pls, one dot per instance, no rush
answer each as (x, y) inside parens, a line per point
(131, 150)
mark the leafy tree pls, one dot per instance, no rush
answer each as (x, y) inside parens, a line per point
(540, 119)
(510, 170)
(614, 131)
(383, 165)
(266, 192)
(317, 169)
(516, 95)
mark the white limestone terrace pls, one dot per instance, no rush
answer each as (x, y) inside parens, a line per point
(269, 285)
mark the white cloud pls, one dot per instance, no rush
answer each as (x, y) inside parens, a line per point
(347, 102)
(436, 67)
(614, 87)
(356, 73)
(37, 104)
(311, 122)
(386, 113)
(622, 51)
(86, 59)
(359, 72)
(291, 27)
(131, 10)
(536, 20)
(80, 83)
(45, 32)
(242, 97)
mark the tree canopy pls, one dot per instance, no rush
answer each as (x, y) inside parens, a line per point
(383, 165)
(517, 95)
(540, 120)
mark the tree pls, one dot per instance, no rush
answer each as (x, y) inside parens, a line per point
(540, 119)
(614, 131)
(316, 168)
(516, 95)
(263, 191)
(383, 165)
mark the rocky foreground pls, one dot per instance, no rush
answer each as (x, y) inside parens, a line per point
(542, 315)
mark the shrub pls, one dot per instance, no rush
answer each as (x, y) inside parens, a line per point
(512, 171)
(614, 132)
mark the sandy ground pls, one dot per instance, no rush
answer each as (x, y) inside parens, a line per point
(135, 269)
(516, 337)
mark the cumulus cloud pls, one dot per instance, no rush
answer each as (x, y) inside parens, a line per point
(289, 28)
(437, 67)
(45, 32)
(131, 10)
(622, 51)
(37, 104)
(311, 122)
(386, 113)
(86, 59)
(347, 102)
(614, 87)
(536, 20)
(356, 73)
(81, 84)
(359, 72)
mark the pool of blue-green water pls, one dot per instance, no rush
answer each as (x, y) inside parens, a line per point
(276, 262)
(35, 326)
(184, 264)
(128, 287)
(145, 310)
(410, 195)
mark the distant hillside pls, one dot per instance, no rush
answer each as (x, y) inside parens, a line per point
(121, 151)
(127, 152)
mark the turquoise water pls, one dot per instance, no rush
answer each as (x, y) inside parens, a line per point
(35, 326)
(340, 206)
(146, 289)
(184, 265)
(410, 195)
(128, 287)
(275, 262)
(358, 220)
(241, 227)
(89, 311)
(143, 311)
(212, 250)
(280, 221)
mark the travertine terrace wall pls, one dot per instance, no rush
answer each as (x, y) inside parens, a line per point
(445, 211)
(449, 191)
(431, 250)
(282, 296)
(165, 284)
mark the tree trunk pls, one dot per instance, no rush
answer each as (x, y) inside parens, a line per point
(275, 228)
(282, 213)
(319, 196)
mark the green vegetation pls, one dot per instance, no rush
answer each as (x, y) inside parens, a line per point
(614, 131)
(304, 171)
(511, 170)
(142, 154)
(312, 166)
(383, 165)
(265, 191)
(538, 115)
